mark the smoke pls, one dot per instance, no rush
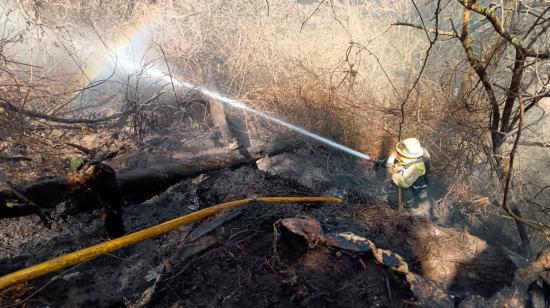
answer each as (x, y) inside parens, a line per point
(162, 79)
(251, 46)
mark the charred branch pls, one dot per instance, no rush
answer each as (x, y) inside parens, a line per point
(33, 114)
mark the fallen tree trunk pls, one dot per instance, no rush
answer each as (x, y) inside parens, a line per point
(151, 179)
(135, 185)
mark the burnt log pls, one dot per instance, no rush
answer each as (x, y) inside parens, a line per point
(135, 185)
(147, 181)
(100, 179)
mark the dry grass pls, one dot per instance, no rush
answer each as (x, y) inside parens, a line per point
(336, 68)
(297, 56)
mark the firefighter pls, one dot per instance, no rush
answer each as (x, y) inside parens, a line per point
(408, 167)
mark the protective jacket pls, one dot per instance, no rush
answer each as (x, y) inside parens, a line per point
(406, 172)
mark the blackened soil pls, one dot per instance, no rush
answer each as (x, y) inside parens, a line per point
(255, 263)
(246, 182)
(264, 267)
(245, 262)
(241, 258)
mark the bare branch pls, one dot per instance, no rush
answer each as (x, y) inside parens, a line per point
(430, 30)
(424, 63)
(538, 35)
(170, 72)
(540, 191)
(311, 15)
(536, 97)
(481, 72)
(33, 114)
(539, 144)
(514, 213)
(363, 47)
(536, 22)
(490, 14)
(533, 101)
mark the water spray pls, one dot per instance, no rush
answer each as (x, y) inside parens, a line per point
(127, 62)
(240, 105)
(237, 104)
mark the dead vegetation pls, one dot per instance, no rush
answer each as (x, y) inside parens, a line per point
(254, 256)
(468, 78)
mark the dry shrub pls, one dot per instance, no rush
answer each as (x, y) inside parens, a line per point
(300, 54)
(336, 68)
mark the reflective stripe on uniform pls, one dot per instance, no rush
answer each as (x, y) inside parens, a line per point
(408, 174)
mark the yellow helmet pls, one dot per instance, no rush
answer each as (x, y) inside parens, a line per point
(409, 148)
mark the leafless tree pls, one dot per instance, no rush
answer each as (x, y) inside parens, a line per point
(525, 38)
(507, 47)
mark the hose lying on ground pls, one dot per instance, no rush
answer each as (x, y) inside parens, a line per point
(95, 251)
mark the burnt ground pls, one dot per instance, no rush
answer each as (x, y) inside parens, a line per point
(242, 263)
(240, 258)
(252, 270)
(244, 258)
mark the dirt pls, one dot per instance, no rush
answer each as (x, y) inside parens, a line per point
(228, 185)
(241, 258)
(244, 258)
(253, 267)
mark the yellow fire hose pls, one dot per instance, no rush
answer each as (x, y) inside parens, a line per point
(95, 251)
